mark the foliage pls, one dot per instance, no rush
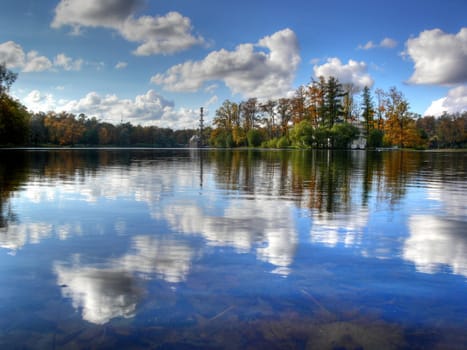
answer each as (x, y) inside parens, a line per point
(343, 134)
(368, 111)
(322, 114)
(375, 138)
(14, 122)
(301, 135)
(283, 142)
(7, 78)
(254, 138)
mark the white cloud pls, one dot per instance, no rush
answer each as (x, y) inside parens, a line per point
(353, 72)
(250, 72)
(149, 108)
(36, 63)
(386, 43)
(439, 58)
(15, 57)
(454, 102)
(211, 101)
(67, 63)
(121, 65)
(157, 35)
(160, 35)
(12, 55)
(37, 101)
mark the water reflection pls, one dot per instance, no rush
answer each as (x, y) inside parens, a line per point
(103, 293)
(100, 294)
(264, 225)
(333, 229)
(166, 258)
(434, 242)
(124, 224)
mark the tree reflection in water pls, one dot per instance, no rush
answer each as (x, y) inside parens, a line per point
(284, 249)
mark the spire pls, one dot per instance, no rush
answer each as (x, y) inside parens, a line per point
(201, 127)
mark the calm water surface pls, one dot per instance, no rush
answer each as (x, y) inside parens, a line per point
(179, 249)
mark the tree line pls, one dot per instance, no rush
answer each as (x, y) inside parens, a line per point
(322, 114)
(329, 114)
(19, 127)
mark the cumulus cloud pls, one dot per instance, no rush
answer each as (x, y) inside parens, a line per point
(351, 73)
(386, 43)
(439, 58)
(38, 101)
(156, 35)
(262, 70)
(67, 63)
(454, 102)
(14, 56)
(36, 63)
(149, 108)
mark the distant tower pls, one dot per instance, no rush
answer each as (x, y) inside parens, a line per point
(201, 127)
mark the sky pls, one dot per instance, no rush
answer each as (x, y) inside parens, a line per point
(155, 62)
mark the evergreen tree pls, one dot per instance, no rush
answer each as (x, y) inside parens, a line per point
(368, 111)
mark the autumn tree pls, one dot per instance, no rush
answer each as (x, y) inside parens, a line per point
(349, 108)
(284, 110)
(268, 110)
(298, 105)
(226, 119)
(316, 93)
(64, 128)
(400, 125)
(249, 111)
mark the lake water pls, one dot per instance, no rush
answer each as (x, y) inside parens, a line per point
(186, 249)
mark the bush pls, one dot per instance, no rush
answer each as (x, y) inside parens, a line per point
(343, 134)
(254, 138)
(283, 142)
(302, 135)
(375, 138)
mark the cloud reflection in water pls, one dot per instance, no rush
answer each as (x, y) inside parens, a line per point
(112, 291)
(434, 242)
(265, 225)
(100, 294)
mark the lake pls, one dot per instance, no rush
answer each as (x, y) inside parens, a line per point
(242, 249)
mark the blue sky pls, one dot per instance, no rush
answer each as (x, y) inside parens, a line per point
(155, 62)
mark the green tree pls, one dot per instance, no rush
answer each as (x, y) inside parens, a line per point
(343, 134)
(254, 138)
(301, 135)
(7, 78)
(333, 102)
(14, 122)
(14, 117)
(368, 110)
(38, 133)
